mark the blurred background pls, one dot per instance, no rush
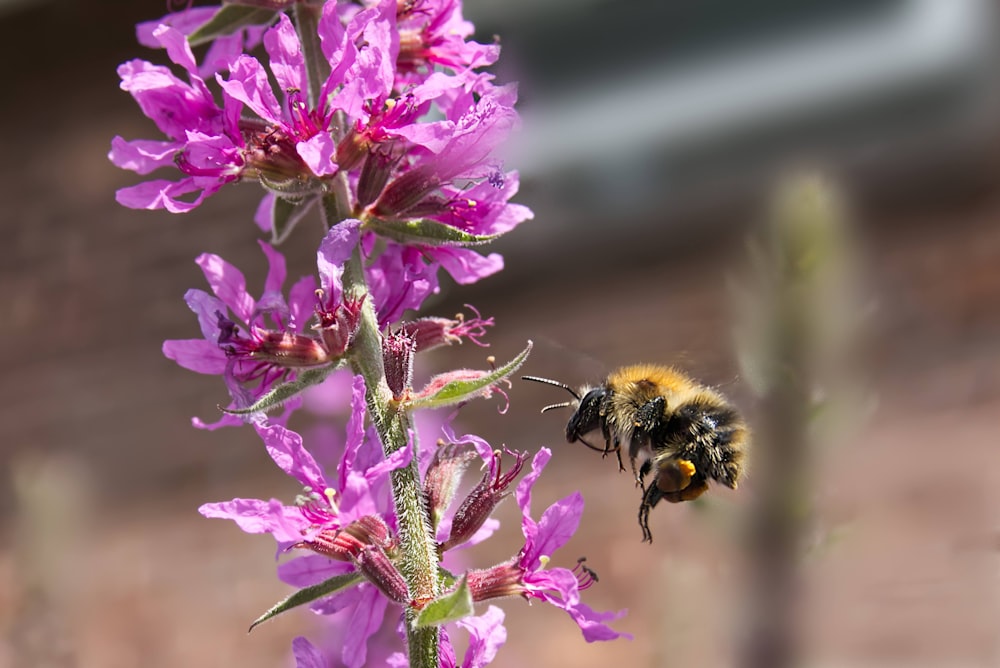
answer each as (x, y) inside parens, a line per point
(653, 132)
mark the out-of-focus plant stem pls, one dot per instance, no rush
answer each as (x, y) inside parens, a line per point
(790, 340)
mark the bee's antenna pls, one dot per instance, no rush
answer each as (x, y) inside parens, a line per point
(549, 381)
(565, 404)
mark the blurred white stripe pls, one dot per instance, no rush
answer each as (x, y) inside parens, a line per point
(652, 109)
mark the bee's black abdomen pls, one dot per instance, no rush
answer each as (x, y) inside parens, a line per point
(712, 435)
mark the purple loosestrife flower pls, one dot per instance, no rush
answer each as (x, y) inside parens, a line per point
(203, 138)
(252, 344)
(486, 635)
(525, 575)
(434, 34)
(331, 503)
(370, 125)
(221, 51)
(257, 344)
(398, 280)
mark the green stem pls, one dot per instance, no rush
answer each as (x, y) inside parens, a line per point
(418, 560)
(307, 25)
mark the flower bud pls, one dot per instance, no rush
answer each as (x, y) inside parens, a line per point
(265, 347)
(406, 192)
(335, 544)
(373, 530)
(289, 350)
(338, 324)
(381, 572)
(272, 155)
(364, 543)
(431, 332)
(348, 543)
(351, 150)
(484, 497)
(504, 579)
(375, 173)
(443, 476)
(397, 356)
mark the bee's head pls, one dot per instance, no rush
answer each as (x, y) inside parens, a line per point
(587, 416)
(587, 409)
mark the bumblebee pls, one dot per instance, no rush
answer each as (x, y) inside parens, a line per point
(675, 428)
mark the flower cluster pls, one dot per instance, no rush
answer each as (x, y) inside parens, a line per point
(346, 524)
(377, 116)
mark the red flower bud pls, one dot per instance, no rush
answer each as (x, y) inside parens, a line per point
(397, 356)
(443, 476)
(484, 497)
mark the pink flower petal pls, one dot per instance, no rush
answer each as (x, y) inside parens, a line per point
(228, 283)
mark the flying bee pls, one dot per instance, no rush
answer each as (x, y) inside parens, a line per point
(681, 431)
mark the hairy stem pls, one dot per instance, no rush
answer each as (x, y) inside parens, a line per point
(418, 562)
(317, 69)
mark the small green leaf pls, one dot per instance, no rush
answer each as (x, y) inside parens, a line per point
(228, 20)
(426, 232)
(287, 214)
(282, 393)
(452, 606)
(461, 385)
(310, 594)
(448, 578)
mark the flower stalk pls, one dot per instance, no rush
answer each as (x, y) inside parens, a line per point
(418, 559)
(307, 24)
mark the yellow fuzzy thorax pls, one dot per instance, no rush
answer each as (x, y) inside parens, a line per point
(641, 383)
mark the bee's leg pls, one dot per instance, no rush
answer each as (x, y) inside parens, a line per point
(616, 448)
(650, 498)
(608, 448)
(636, 473)
(649, 415)
(640, 477)
(647, 419)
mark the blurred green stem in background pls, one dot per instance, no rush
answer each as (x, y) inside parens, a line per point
(796, 322)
